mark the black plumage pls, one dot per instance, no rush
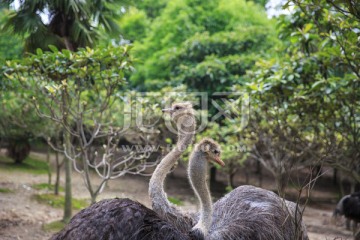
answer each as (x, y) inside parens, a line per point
(351, 207)
(119, 219)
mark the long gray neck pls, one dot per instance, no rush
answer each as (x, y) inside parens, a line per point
(197, 175)
(160, 202)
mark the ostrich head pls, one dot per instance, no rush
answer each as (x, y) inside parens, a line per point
(183, 115)
(211, 151)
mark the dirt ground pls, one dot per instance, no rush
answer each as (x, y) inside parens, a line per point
(21, 217)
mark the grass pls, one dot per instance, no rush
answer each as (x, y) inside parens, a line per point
(5, 190)
(58, 201)
(46, 186)
(30, 165)
(54, 226)
(175, 201)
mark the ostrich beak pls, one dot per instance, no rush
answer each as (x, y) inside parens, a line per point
(219, 161)
(167, 110)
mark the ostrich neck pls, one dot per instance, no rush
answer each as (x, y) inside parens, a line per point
(160, 202)
(197, 175)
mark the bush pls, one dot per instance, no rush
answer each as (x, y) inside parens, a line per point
(18, 149)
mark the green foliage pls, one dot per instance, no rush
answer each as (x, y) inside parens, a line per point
(79, 91)
(17, 114)
(175, 201)
(30, 165)
(45, 186)
(306, 100)
(6, 190)
(228, 189)
(89, 76)
(57, 201)
(19, 122)
(134, 24)
(72, 24)
(152, 8)
(10, 45)
(54, 226)
(213, 45)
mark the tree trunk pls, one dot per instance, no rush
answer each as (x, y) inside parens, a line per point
(87, 177)
(335, 171)
(352, 186)
(341, 187)
(49, 165)
(258, 167)
(68, 44)
(93, 198)
(212, 175)
(259, 172)
(68, 167)
(281, 184)
(68, 192)
(231, 180)
(57, 179)
(247, 177)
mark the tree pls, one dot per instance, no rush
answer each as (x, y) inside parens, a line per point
(212, 43)
(133, 25)
(333, 44)
(19, 123)
(79, 91)
(327, 35)
(151, 8)
(13, 131)
(10, 46)
(305, 101)
(65, 24)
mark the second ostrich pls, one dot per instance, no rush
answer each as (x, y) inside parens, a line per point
(247, 212)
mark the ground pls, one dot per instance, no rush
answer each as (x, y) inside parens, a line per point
(21, 217)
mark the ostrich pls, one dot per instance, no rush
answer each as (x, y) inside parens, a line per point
(183, 115)
(185, 222)
(349, 206)
(246, 213)
(127, 219)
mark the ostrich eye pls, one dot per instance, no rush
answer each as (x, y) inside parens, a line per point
(217, 152)
(177, 108)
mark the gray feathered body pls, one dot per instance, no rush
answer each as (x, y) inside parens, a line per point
(251, 213)
(238, 215)
(119, 219)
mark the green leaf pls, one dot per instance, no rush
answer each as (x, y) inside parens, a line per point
(39, 51)
(317, 84)
(253, 86)
(53, 48)
(67, 53)
(307, 27)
